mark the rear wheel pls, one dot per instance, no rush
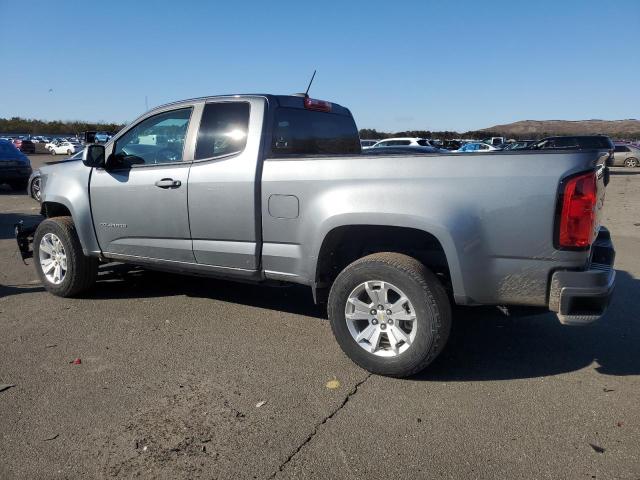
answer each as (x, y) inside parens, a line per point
(389, 314)
(69, 152)
(631, 162)
(60, 262)
(53, 152)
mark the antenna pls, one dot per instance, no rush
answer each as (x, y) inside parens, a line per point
(306, 94)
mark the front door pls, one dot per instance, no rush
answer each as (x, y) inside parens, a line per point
(139, 202)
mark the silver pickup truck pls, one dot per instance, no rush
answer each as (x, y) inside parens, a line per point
(268, 188)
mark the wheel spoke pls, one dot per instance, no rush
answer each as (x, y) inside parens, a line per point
(57, 274)
(400, 335)
(47, 265)
(366, 334)
(359, 305)
(398, 305)
(45, 247)
(407, 317)
(354, 316)
(375, 340)
(373, 294)
(393, 342)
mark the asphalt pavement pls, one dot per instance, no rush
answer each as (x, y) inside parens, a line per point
(184, 377)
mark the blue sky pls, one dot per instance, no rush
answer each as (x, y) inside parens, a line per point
(412, 65)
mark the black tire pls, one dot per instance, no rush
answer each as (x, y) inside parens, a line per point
(81, 271)
(425, 292)
(631, 162)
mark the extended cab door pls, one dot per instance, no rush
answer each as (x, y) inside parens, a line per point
(139, 202)
(224, 185)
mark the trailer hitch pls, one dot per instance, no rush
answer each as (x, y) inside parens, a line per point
(24, 237)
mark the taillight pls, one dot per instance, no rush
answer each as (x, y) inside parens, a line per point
(313, 104)
(578, 212)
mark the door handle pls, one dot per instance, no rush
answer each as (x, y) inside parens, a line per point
(168, 183)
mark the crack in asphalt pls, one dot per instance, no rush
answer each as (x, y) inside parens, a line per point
(310, 437)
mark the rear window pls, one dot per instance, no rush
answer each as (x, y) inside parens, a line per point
(308, 132)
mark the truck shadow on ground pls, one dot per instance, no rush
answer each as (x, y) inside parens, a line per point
(124, 281)
(484, 345)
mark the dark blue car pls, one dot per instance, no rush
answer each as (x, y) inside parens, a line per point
(15, 167)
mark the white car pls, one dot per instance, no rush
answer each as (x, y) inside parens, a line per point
(63, 148)
(403, 142)
(476, 147)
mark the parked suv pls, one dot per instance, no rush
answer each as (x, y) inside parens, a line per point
(626, 156)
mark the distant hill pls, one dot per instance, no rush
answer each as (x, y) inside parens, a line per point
(629, 129)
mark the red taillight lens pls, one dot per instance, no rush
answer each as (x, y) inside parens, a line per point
(578, 214)
(313, 104)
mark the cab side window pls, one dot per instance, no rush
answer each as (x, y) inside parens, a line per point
(156, 140)
(223, 129)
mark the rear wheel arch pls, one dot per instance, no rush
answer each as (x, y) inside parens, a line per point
(344, 244)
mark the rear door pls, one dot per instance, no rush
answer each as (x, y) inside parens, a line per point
(139, 202)
(224, 185)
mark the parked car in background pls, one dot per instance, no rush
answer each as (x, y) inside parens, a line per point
(53, 143)
(574, 142)
(519, 145)
(15, 167)
(476, 147)
(494, 141)
(404, 149)
(24, 145)
(625, 156)
(34, 186)
(68, 148)
(365, 144)
(402, 142)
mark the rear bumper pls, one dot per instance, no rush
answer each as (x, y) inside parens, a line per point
(581, 297)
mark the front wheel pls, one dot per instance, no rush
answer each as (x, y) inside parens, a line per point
(69, 152)
(34, 189)
(389, 314)
(60, 262)
(631, 162)
(53, 152)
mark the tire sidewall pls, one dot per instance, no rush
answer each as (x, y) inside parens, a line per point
(52, 226)
(426, 318)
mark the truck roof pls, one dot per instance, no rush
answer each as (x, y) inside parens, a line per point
(289, 101)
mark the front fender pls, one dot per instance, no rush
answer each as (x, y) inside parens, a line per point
(67, 184)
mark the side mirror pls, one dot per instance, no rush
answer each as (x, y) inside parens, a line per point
(93, 156)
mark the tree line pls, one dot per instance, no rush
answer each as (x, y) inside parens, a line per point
(41, 127)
